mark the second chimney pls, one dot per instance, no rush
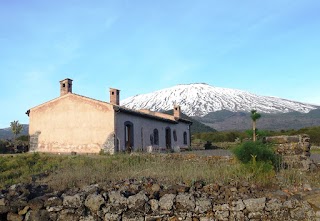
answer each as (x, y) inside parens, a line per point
(177, 111)
(114, 96)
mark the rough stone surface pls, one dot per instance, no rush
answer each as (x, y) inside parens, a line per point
(253, 205)
(185, 202)
(112, 217)
(68, 214)
(314, 200)
(237, 206)
(222, 215)
(87, 218)
(137, 202)
(94, 202)
(273, 205)
(36, 203)
(203, 205)
(154, 204)
(24, 210)
(14, 217)
(53, 201)
(2, 202)
(118, 203)
(166, 202)
(74, 201)
(133, 200)
(38, 215)
(294, 150)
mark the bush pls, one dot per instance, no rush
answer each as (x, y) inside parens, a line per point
(6, 146)
(24, 138)
(258, 171)
(256, 151)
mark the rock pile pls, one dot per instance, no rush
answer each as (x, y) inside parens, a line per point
(147, 200)
(295, 151)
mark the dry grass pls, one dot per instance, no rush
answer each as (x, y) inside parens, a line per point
(167, 168)
(296, 179)
(225, 145)
(66, 171)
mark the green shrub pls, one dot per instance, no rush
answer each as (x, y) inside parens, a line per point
(256, 151)
(258, 171)
(24, 138)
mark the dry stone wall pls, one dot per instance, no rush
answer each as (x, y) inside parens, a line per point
(146, 200)
(295, 151)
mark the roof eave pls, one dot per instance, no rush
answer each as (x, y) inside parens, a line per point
(121, 109)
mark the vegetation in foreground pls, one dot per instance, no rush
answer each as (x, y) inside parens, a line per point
(248, 152)
(65, 171)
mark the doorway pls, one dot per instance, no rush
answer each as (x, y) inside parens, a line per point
(128, 134)
(168, 138)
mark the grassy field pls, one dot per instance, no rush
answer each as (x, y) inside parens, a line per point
(66, 171)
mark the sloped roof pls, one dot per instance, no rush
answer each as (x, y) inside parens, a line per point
(66, 95)
(118, 108)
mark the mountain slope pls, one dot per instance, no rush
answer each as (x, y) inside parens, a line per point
(197, 126)
(201, 99)
(6, 133)
(227, 120)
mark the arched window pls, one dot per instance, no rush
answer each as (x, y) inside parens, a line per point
(156, 137)
(175, 135)
(185, 140)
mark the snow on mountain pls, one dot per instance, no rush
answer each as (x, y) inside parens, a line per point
(200, 99)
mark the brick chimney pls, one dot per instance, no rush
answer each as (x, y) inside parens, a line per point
(65, 86)
(114, 96)
(176, 111)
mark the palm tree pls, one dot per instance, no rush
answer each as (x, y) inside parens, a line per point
(254, 116)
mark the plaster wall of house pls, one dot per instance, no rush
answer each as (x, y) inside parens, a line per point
(143, 129)
(72, 123)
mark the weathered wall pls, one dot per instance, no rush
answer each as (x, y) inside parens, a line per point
(72, 123)
(133, 200)
(143, 128)
(295, 150)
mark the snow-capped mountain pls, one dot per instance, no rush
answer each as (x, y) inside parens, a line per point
(200, 99)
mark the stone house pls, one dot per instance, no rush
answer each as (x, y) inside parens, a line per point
(75, 123)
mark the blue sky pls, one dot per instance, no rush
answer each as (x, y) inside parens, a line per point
(264, 47)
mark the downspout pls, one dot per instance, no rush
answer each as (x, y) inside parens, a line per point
(116, 144)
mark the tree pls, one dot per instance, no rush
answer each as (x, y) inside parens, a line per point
(254, 116)
(16, 129)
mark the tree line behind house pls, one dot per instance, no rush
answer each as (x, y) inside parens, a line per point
(200, 133)
(231, 136)
(225, 120)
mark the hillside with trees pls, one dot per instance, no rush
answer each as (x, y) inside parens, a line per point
(6, 133)
(226, 120)
(231, 136)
